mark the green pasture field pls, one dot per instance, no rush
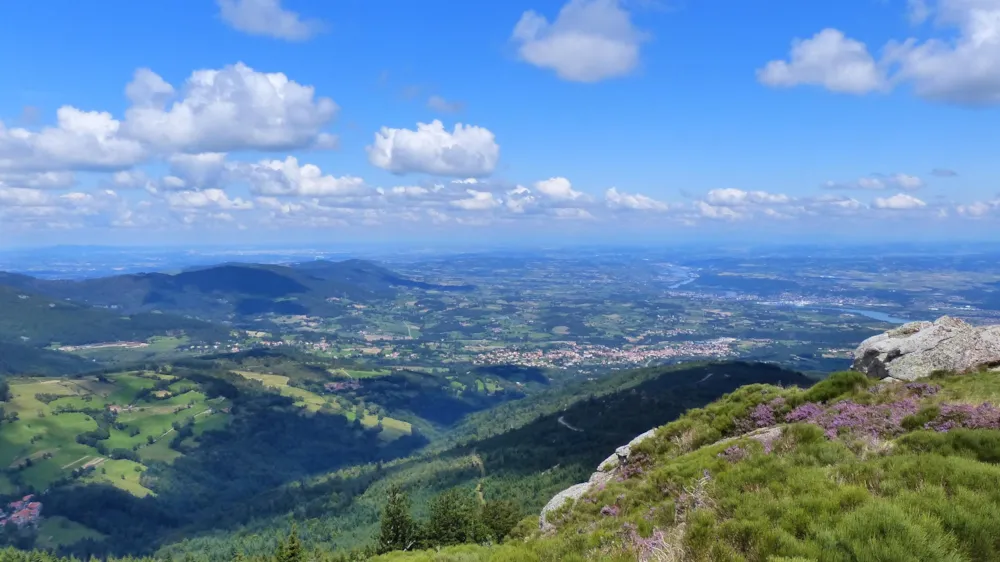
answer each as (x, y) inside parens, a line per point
(41, 446)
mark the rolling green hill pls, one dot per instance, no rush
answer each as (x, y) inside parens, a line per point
(40, 321)
(230, 291)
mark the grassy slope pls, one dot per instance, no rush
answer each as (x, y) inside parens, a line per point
(886, 490)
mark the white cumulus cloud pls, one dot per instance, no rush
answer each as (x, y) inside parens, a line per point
(636, 202)
(827, 59)
(233, 108)
(731, 197)
(288, 177)
(465, 151)
(82, 140)
(558, 189)
(899, 202)
(477, 201)
(589, 41)
(960, 68)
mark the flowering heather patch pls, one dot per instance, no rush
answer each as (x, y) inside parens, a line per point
(762, 416)
(806, 412)
(609, 511)
(734, 454)
(850, 417)
(877, 419)
(983, 416)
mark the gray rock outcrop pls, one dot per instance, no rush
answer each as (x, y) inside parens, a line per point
(605, 472)
(915, 350)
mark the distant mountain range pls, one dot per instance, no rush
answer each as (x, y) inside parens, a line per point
(231, 290)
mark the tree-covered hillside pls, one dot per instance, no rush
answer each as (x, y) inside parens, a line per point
(39, 321)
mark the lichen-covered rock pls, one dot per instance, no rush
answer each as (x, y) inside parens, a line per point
(915, 350)
(572, 493)
(605, 472)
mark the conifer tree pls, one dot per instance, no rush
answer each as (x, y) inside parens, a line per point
(397, 530)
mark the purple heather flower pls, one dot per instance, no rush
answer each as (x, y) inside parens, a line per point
(806, 412)
(609, 511)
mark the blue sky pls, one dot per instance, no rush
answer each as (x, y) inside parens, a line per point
(580, 120)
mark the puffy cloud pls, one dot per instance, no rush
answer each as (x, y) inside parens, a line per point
(437, 103)
(86, 140)
(477, 201)
(558, 189)
(897, 181)
(590, 40)
(899, 202)
(287, 177)
(637, 202)
(964, 69)
(268, 18)
(730, 197)
(233, 108)
(466, 151)
(828, 59)
(206, 199)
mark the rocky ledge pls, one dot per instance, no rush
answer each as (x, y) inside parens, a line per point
(915, 350)
(605, 472)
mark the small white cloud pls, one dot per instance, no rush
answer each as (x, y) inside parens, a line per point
(477, 201)
(558, 189)
(590, 40)
(267, 18)
(828, 59)
(466, 151)
(730, 197)
(287, 177)
(899, 202)
(636, 202)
